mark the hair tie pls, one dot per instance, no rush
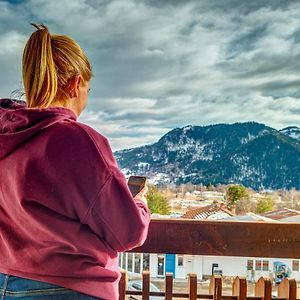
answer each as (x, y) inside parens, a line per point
(39, 26)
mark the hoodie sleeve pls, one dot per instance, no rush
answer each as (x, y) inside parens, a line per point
(115, 216)
(118, 218)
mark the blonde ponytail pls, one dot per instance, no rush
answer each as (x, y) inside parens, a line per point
(39, 74)
(49, 62)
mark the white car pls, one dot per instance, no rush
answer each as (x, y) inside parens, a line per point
(136, 285)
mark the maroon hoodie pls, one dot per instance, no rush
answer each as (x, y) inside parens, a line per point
(65, 208)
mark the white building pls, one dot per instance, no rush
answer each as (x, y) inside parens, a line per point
(204, 266)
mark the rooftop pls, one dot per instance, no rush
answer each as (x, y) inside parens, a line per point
(282, 213)
(215, 212)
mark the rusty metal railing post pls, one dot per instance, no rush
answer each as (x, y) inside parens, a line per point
(192, 282)
(263, 288)
(123, 285)
(239, 288)
(215, 287)
(169, 286)
(287, 289)
(146, 285)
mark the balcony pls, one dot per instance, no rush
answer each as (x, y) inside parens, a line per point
(220, 238)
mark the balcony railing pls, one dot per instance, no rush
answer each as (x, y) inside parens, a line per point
(222, 238)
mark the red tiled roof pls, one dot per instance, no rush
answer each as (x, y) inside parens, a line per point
(281, 213)
(205, 212)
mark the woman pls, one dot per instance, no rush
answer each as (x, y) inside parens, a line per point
(65, 208)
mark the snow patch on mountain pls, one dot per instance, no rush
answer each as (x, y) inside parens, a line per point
(292, 131)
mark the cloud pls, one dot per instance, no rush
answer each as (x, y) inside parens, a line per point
(124, 134)
(165, 64)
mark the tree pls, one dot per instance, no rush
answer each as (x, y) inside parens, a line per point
(210, 187)
(234, 194)
(264, 205)
(245, 205)
(157, 202)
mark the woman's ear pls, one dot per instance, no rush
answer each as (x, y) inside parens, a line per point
(74, 86)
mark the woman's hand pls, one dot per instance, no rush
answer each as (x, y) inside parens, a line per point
(142, 194)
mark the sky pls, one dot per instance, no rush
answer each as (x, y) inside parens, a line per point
(162, 64)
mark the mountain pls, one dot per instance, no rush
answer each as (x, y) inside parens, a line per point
(292, 131)
(251, 154)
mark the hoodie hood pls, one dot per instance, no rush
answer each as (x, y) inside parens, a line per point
(18, 123)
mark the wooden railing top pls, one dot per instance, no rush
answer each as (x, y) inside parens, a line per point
(223, 238)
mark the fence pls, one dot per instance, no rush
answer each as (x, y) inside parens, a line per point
(287, 289)
(224, 238)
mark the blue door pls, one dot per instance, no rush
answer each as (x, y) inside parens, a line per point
(170, 263)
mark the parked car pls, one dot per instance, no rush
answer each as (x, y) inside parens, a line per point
(136, 285)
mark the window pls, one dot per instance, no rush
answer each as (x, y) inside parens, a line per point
(161, 265)
(258, 265)
(180, 260)
(250, 264)
(137, 263)
(124, 261)
(146, 262)
(295, 265)
(129, 262)
(265, 265)
(120, 259)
